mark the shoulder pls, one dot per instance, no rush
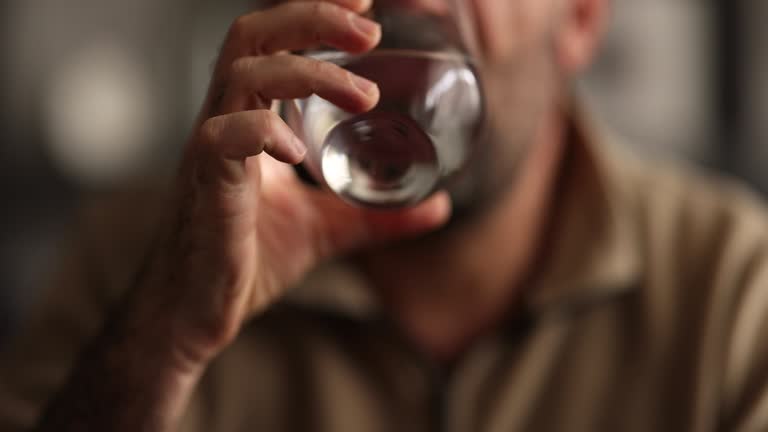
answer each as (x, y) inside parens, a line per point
(701, 221)
(703, 243)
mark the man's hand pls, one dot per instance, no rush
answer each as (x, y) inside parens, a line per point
(242, 228)
(246, 228)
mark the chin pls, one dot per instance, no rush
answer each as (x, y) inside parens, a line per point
(490, 175)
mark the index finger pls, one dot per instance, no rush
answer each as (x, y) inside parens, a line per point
(298, 25)
(358, 6)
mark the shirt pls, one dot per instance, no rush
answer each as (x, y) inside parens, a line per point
(650, 313)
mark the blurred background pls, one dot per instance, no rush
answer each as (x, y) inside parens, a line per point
(97, 93)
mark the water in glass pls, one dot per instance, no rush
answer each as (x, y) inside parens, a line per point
(418, 136)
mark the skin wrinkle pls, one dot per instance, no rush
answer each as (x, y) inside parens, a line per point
(265, 123)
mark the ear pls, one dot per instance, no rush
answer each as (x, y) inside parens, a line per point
(583, 23)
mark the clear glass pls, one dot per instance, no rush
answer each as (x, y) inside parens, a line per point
(421, 134)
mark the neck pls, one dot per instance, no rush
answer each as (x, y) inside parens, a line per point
(473, 270)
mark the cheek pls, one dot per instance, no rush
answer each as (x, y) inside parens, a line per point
(507, 26)
(492, 16)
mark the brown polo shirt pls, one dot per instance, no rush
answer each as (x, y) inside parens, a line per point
(650, 314)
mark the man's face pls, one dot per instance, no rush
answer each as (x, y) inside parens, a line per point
(528, 51)
(506, 26)
(523, 82)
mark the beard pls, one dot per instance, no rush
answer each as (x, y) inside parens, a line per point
(519, 98)
(515, 117)
(490, 173)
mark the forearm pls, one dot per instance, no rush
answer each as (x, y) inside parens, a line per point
(128, 378)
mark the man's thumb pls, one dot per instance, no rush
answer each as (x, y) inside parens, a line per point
(346, 228)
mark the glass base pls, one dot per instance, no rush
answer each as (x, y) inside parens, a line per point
(380, 159)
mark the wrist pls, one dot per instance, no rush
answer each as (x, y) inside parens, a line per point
(160, 330)
(159, 312)
(152, 338)
(177, 306)
(129, 377)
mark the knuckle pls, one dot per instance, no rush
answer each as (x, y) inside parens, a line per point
(241, 66)
(313, 33)
(318, 67)
(263, 121)
(315, 19)
(210, 131)
(317, 8)
(316, 70)
(241, 73)
(238, 28)
(327, 74)
(325, 10)
(242, 34)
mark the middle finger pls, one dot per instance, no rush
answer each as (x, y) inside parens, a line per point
(301, 25)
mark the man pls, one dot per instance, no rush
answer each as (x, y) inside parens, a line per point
(575, 288)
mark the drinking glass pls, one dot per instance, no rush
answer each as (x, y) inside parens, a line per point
(421, 133)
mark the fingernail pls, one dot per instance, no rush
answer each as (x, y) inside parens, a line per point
(436, 211)
(363, 26)
(443, 209)
(369, 88)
